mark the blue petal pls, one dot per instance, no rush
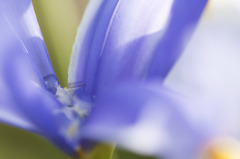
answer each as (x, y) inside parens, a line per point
(209, 68)
(119, 39)
(185, 15)
(32, 103)
(10, 43)
(8, 112)
(25, 102)
(148, 119)
(84, 57)
(21, 17)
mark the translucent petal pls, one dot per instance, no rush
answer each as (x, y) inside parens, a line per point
(21, 19)
(184, 17)
(26, 100)
(209, 72)
(30, 103)
(9, 43)
(148, 119)
(117, 39)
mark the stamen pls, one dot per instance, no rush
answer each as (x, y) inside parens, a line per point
(63, 96)
(76, 84)
(73, 107)
(72, 130)
(82, 108)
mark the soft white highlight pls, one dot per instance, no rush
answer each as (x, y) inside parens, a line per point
(30, 22)
(208, 72)
(76, 57)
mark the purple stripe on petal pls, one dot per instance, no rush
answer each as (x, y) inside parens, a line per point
(123, 39)
(131, 39)
(184, 17)
(89, 41)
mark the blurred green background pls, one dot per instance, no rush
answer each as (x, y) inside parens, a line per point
(59, 20)
(19, 144)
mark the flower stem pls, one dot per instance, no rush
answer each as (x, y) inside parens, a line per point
(100, 151)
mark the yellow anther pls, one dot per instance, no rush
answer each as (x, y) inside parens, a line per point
(219, 153)
(223, 149)
(81, 153)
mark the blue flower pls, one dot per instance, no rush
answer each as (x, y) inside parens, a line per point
(123, 52)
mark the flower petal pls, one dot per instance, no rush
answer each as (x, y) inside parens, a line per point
(185, 15)
(208, 71)
(25, 102)
(32, 102)
(119, 42)
(10, 43)
(148, 119)
(13, 39)
(84, 57)
(85, 36)
(22, 20)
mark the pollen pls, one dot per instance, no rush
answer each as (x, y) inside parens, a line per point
(81, 112)
(72, 130)
(224, 149)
